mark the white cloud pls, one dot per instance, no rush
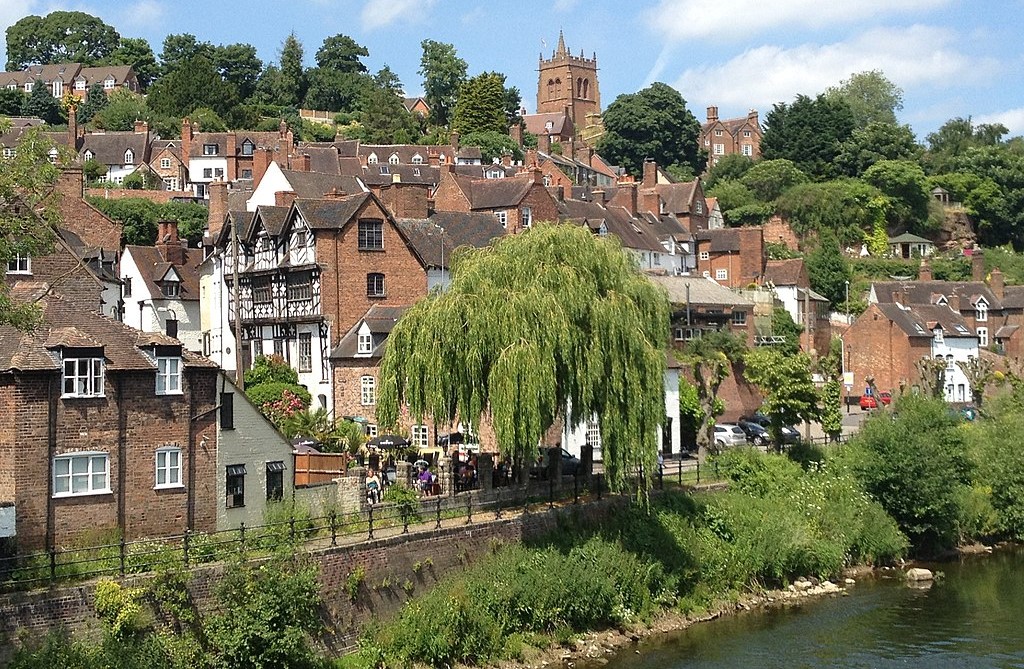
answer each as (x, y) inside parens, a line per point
(142, 14)
(382, 13)
(919, 56)
(1013, 119)
(684, 20)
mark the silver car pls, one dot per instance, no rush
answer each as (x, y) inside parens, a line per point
(729, 434)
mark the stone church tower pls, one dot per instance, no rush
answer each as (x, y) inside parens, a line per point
(569, 82)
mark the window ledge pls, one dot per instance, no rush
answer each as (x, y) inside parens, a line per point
(169, 392)
(370, 250)
(83, 397)
(93, 493)
(173, 486)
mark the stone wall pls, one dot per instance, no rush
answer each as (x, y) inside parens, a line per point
(396, 569)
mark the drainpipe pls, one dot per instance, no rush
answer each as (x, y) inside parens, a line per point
(51, 451)
(122, 455)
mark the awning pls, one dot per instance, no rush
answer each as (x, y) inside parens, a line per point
(236, 470)
(274, 466)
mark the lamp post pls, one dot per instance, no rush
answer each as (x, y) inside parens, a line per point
(847, 282)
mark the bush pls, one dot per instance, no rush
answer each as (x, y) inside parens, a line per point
(270, 369)
(999, 484)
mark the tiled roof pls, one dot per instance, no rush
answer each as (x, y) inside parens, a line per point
(272, 218)
(318, 184)
(1013, 297)
(537, 124)
(65, 323)
(677, 197)
(919, 320)
(786, 272)
(108, 148)
(258, 139)
(699, 291)
(925, 292)
(329, 213)
(723, 240)
(633, 233)
(459, 229)
(493, 193)
(153, 266)
(380, 320)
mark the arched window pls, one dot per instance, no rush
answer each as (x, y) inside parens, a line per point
(586, 89)
(579, 87)
(129, 157)
(558, 86)
(551, 87)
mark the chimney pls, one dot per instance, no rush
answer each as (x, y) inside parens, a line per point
(598, 195)
(650, 174)
(996, 282)
(73, 127)
(506, 159)
(453, 139)
(752, 116)
(304, 163)
(282, 129)
(977, 265)
(284, 198)
(544, 143)
(230, 147)
(168, 244)
(897, 297)
(537, 175)
(712, 114)
(141, 126)
(531, 158)
(406, 200)
(953, 299)
(925, 272)
(186, 139)
(218, 207)
(261, 159)
(515, 131)
(629, 192)
(565, 192)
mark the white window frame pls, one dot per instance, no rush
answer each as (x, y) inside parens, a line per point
(747, 150)
(393, 159)
(19, 264)
(527, 217)
(502, 217)
(593, 433)
(165, 163)
(58, 88)
(86, 377)
(719, 149)
(129, 157)
(168, 462)
(364, 344)
(420, 436)
(705, 255)
(97, 463)
(982, 312)
(721, 274)
(983, 337)
(210, 149)
(367, 390)
(305, 350)
(168, 375)
(108, 84)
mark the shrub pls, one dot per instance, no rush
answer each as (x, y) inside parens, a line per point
(268, 369)
(279, 401)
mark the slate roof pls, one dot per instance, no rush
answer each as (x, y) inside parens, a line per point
(152, 266)
(784, 272)
(459, 230)
(271, 217)
(19, 125)
(702, 292)
(926, 292)
(633, 233)
(330, 213)
(723, 240)
(561, 124)
(65, 323)
(319, 184)
(1013, 297)
(907, 238)
(380, 320)
(381, 174)
(919, 320)
(677, 197)
(67, 72)
(493, 193)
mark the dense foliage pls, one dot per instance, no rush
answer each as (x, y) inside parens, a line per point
(139, 217)
(552, 320)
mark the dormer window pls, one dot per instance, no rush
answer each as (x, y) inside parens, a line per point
(937, 334)
(982, 308)
(698, 207)
(170, 288)
(129, 157)
(83, 371)
(80, 85)
(248, 148)
(88, 155)
(393, 160)
(417, 159)
(371, 159)
(209, 149)
(108, 83)
(364, 342)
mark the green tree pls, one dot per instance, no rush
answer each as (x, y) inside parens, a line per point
(768, 179)
(980, 373)
(239, 66)
(905, 185)
(341, 53)
(27, 178)
(849, 207)
(996, 200)
(208, 120)
(481, 105)
(443, 74)
(871, 97)
(914, 462)
(810, 132)
(59, 37)
(875, 142)
(710, 359)
(120, 111)
(385, 120)
(139, 54)
(139, 216)
(784, 326)
(492, 144)
(179, 50)
(334, 91)
(195, 82)
(11, 101)
(41, 103)
(828, 269)
(728, 168)
(96, 100)
(293, 75)
(556, 322)
(787, 387)
(651, 124)
(831, 367)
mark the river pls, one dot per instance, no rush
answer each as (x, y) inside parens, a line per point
(974, 617)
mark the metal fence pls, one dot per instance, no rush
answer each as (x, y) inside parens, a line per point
(124, 558)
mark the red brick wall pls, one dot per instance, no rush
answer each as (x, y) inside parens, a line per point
(149, 422)
(82, 218)
(158, 196)
(448, 196)
(743, 267)
(875, 346)
(66, 275)
(777, 230)
(343, 281)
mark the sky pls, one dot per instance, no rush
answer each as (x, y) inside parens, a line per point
(952, 58)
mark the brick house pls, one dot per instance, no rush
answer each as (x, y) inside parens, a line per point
(734, 257)
(121, 152)
(888, 339)
(234, 155)
(167, 165)
(789, 281)
(725, 137)
(102, 427)
(516, 203)
(684, 201)
(63, 78)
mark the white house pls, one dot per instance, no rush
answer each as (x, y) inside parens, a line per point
(954, 343)
(160, 287)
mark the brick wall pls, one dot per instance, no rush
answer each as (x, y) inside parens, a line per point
(66, 276)
(448, 196)
(343, 281)
(875, 346)
(158, 196)
(129, 424)
(32, 614)
(777, 231)
(82, 218)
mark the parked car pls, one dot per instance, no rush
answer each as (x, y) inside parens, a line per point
(871, 402)
(539, 469)
(729, 434)
(756, 434)
(885, 396)
(790, 435)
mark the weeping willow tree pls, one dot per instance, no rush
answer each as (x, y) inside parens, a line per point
(553, 323)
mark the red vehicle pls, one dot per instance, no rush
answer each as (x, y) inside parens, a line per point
(871, 402)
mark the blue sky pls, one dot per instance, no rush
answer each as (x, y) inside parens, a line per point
(951, 57)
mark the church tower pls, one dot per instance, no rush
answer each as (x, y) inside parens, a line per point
(569, 82)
